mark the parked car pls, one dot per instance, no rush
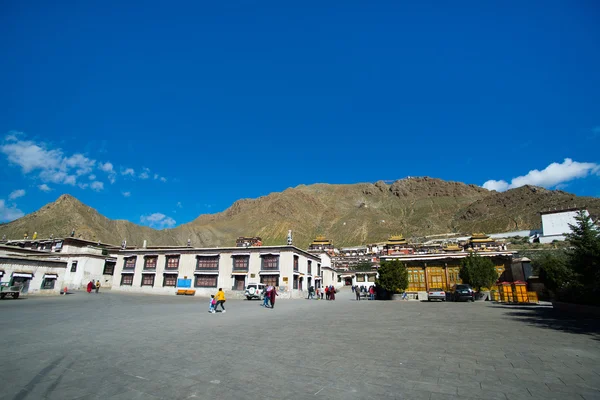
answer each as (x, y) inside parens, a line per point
(436, 294)
(463, 292)
(254, 291)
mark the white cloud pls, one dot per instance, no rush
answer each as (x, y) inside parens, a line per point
(44, 188)
(158, 221)
(16, 194)
(145, 174)
(163, 179)
(126, 194)
(128, 171)
(179, 204)
(97, 186)
(9, 213)
(106, 167)
(551, 176)
(83, 185)
(80, 163)
(156, 176)
(92, 177)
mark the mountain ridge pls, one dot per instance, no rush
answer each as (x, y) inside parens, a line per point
(349, 214)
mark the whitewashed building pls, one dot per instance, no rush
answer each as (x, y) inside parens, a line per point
(36, 276)
(555, 224)
(164, 270)
(85, 260)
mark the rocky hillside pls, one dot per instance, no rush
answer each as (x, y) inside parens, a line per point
(348, 214)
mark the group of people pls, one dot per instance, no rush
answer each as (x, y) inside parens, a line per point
(362, 289)
(328, 291)
(269, 297)
(91, 286)
(216, 300)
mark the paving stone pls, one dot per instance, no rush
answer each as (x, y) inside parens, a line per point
(119, 346)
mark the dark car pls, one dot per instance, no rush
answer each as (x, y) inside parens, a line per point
(463, 292)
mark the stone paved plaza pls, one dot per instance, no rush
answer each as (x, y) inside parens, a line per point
(117, 346)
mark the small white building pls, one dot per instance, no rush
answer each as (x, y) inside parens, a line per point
(36, 276)
(86, 260)
(163, 270)
(555, 224)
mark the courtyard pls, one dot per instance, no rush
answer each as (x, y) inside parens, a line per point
(133, 346)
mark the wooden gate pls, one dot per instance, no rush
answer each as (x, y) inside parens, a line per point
(436, 278)
(416, 279)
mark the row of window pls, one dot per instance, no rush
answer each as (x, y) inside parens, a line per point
(240, 263)
(170, 280)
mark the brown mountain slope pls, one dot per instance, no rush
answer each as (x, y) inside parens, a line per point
(348, 214)
(67, 213)
(518, 209)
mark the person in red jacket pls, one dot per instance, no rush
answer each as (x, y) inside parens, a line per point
(273, 295)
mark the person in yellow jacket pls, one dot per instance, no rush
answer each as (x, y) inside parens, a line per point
(97, 286)
(220, 299)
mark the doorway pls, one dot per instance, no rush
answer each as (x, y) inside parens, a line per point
(239, 282)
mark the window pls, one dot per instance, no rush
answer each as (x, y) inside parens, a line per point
(241, 263)
(126, 279)
(129, 263)
(172, 262)
(109, 267)
(296, 260)
(48, 283)
(272, 280)
(270, 262)
(150, 262)
(170, 280)
(74, 266)
(309, 268)
(147, 279)
(208, 263)
(360, 278)
(372, 278)
(295, 281)
(206, 281)
(319, 270)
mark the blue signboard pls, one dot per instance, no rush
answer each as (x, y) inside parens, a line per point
(184, 283)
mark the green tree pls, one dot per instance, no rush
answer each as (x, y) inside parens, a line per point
(478, 271)
(553, 270)
(584, 255)
(393, 276)
(363, 266)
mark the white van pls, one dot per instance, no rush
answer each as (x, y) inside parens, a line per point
(255, 291)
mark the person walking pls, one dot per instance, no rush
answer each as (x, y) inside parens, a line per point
(273, 295)
(357, 293)
(311, 293)
(267, 296)
(353, 288)
(211, 304)
(90, 285)
(97, 286)
(220, 299)
(332, 293)
(318, 293)
(326, 292)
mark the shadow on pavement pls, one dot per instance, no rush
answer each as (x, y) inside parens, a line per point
(547, 317)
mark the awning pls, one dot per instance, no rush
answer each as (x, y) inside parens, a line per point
(133, 256)
(148, 272)
(22, 275)
(207, 255)
(150, 255)
(206, 273)
(50, 276)
(110, 259)
(318, 278)
(128, 272)
(269, 254)
(172, 255)
(268, 273)
(239, 254)
(171, 273)
(239, 273)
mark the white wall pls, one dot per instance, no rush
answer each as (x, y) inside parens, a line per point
(34, 267)
(558, 223)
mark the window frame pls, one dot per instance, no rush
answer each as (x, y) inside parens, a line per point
(270, 259)
(169, 258)
(74, 266)
(206, 276)
(236, 259)
(144, 276)
(112, 272)
(207, 260)
(125, 263)
(150, 268)
(170, 276)
(123, 283)
(47, 280)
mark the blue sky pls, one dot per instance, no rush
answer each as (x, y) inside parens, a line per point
(157, 112)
